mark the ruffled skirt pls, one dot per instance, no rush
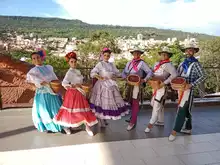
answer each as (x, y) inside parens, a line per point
(106, 101)
(75, 110)
(45, 107)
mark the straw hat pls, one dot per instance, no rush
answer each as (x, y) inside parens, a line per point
(190, 45)
(136, 49)
(166, 50)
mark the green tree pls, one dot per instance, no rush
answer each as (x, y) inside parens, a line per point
(209, 57)
(105, 39)
(121, 63)
(93, 47)
(178, 55)
(59, 64)
(151, 56)
(88, 49)
(18, 54)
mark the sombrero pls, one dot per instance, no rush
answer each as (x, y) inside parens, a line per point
(166, 50)
(136, 49)
(190, 45)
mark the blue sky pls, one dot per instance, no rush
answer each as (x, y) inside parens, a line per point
(186, 15)
(41, 8)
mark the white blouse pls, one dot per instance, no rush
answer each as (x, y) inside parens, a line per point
(166, 72)
(72, 77)
(39, 74)
(105, 69)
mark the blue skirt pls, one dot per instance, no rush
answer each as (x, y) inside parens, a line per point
(46, 106)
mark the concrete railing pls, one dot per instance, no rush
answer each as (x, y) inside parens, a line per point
(86, 73)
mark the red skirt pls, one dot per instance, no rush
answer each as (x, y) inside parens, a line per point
(75, 110)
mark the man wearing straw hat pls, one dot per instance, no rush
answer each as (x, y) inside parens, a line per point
(136, 67)
(194, 74)
(164, 72)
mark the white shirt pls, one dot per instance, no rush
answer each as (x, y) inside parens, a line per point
(166, 72)
(105, 69)
(72, 77)
(39, 74)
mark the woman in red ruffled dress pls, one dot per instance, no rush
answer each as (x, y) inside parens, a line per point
(75, 110)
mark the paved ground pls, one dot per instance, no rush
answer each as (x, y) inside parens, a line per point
(186, 150)
(17, 131)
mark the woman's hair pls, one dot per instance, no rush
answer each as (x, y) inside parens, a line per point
(104, 50)
(34, 53)
(71, 55)
(41, 53)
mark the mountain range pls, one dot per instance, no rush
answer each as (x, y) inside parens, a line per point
(56, 27)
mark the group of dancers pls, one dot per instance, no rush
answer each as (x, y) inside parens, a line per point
(52, 114)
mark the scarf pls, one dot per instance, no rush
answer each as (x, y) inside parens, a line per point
(135, 63)
(160, 63)
(186, 63)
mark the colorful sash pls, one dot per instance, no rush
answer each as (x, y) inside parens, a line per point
(134, 64)
(187, 62)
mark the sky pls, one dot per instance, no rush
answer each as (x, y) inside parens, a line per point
(201, 16)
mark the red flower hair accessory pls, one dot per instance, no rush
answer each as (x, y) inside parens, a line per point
(70, 55)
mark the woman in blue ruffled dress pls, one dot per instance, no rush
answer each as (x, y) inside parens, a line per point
(46, 102)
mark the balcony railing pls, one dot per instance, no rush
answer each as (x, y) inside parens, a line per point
(212, 84)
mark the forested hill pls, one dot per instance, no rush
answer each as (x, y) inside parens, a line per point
(45, 27)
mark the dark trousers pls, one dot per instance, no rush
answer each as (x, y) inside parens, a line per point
(184, 115)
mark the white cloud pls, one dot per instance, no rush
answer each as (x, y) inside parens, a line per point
(197, 16)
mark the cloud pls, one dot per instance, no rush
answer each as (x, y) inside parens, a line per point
(187, 15)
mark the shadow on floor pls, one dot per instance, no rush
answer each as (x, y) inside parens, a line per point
(17, 131)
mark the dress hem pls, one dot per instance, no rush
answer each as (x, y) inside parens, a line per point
(101, 116)
(64, 124)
